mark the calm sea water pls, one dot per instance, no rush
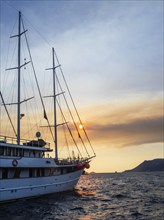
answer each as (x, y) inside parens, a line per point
(97, 196)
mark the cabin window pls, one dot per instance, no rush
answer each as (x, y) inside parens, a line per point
(17, 173)
(24, 173)
(34, 153)
(29, 153)
(8, 151)
(53, 171)
(1, 150)
(42, 171)
(17, 151)
(21, 152)
(58, 170)
(38, 173)
(37, 154)
(26, 153)
(47, 172)
(4, 173)
(32, 172)
(14, 152)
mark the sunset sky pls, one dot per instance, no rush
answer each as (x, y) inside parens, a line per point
(112, 55)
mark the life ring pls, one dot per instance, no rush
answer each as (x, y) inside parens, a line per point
(14, 162)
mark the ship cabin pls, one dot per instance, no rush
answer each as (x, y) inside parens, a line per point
(34, 148)
(31, 159)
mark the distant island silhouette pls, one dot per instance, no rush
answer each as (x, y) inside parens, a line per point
(149, 166)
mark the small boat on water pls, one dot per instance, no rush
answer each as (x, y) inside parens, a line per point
(28, 167)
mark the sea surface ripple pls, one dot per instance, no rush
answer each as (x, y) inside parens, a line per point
(97, 196)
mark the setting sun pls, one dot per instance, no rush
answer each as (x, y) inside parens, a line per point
(80, 126)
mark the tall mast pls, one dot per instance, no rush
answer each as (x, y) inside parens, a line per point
(54, 95)
(19, 75)
(19, 70)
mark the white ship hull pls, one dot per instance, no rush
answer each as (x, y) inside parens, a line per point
(12, 189)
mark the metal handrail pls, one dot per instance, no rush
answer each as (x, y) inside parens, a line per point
(13, 140)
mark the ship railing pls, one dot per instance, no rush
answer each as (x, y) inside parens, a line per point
(25, 142)
(71, 161)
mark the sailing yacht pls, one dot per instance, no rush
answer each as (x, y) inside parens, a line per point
(26, 167)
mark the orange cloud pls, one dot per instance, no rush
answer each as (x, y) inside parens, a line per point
(121, 124)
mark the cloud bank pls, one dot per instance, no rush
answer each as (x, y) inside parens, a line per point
(137, 124)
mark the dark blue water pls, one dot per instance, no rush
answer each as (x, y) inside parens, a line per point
(97, 196)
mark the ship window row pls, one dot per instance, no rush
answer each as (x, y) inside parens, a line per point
(20, 152)
(13, 173)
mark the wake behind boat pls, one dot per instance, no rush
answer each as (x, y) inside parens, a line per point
(28, 167)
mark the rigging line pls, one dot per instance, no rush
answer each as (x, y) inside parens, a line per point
(73, 118)
(36, 109)
(8, 45)
(11, 92)
(64, 129)
(37, 82)
(66, 141)
(7, 3)
(7, 75)
(11, 61)
(44, 87)
(68, 128)
(11, 95)
(16, 21)
(8, 113)
(37, 31)
(73, 102)
(26, 105)
(31, 128)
